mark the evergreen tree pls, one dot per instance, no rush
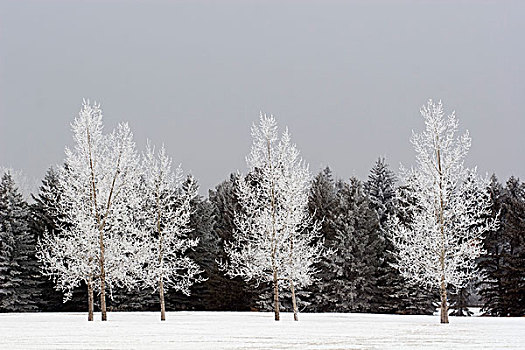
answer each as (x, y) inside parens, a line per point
(323, 206)
(204, 295)
(491, 262)
(232, 294)
(459, 301)
(502, 265)
(19, 285)
(380, 188)
(514, 255)
(355, 261)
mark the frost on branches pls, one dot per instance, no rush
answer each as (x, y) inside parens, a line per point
(450, 211)
(276, 239)
(97, 182)
(164, 218)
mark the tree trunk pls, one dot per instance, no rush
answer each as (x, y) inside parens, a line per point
(162, 304)
(444, 307)
(294, 302)
(102, 281)
(90, 300)
(276, 295)
(443, 287)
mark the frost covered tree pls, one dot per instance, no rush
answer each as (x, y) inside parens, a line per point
(441, 244)
(205, 254)
(97, 187)
(164, 219)
(276, 238)
(45, 215)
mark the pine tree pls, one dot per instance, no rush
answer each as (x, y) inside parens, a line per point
(459, 301)
(19, 285)
(357, 243)
(204, 295)
(323, 205)
(231, 294)
(491, 261)
(381, 190)
(501, 286)
(514, 255)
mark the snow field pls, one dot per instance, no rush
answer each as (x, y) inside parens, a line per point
(250, 330)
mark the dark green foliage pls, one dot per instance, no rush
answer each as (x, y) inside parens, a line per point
(514, 275)
(358, 276)
(231, 294)
(459, 301)
(350, 228)
(356, 260)
(323, 204)
(19, 285)
(502, 285)
(380, 188)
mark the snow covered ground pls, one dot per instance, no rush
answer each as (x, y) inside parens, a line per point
(245, 330)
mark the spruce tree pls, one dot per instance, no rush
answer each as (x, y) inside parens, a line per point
(491, 262)
(323, 205)
(380, 188)
(356, 258)
(19, 285)
(514, 254)
(502, 286)
(204, 295)
(232, 294)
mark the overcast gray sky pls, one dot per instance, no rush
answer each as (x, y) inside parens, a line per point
(348, 78)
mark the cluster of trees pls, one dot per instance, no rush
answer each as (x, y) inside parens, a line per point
(272, 239)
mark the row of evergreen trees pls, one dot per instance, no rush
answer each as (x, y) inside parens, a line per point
(357, 277)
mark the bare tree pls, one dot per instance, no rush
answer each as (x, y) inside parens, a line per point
(97, 184)
(275, 235)
(450, 210)
(165, 216)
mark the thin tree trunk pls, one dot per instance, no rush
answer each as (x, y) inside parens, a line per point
(162, 304)
(161, 251)
(102, 280)
(444, 306)
(274, 238)
(292, 287)
(90, 300)
(294, 302)
(276, 294)
(443, 286)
